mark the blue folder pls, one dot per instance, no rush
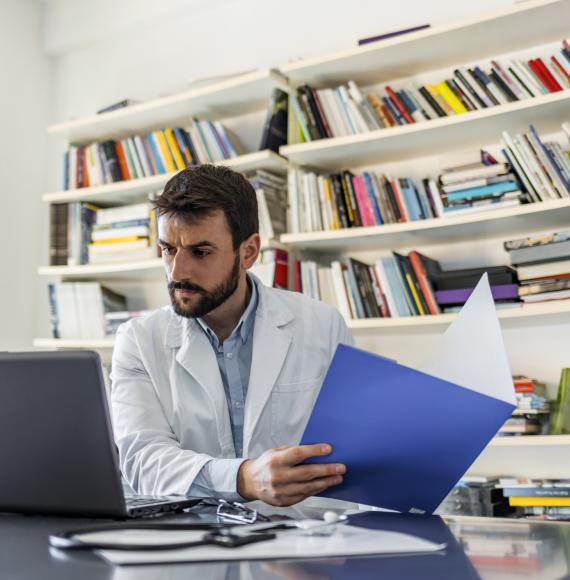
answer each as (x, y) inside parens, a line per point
(406, 437)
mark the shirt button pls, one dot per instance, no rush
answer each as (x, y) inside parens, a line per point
(230, 355)
(238, 404)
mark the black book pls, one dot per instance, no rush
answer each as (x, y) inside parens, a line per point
(392, 199)
(468, 278)
(400, 260)
(365, 290)
(111, 161)
(521, 82)
(347, 178)
(474, 96)
(309, 116)
(340, 200)
(434, 104)
(314, 109)
(193, 152)
(458, 92)
(483, 87)
(275, 128)
(414, 284)
(503, 87)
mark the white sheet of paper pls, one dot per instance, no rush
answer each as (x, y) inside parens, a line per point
(471, 352)
(347, 541)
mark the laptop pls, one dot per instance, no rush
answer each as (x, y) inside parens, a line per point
(57, 452)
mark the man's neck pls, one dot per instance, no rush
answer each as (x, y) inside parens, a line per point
(224, 319)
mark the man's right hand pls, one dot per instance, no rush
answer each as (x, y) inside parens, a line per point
(278, 478)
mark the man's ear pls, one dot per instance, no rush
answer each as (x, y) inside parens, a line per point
(249, 250)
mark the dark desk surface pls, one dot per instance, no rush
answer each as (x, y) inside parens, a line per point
(477, 548)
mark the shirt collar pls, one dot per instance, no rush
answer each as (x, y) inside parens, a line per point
(245, 323)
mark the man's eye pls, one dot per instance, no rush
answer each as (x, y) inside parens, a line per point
(201, 253)
(166, 251)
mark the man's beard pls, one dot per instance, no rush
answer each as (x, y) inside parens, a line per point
(209, 300)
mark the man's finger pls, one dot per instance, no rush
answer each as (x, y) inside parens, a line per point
(299, 453)
(302, 473)
(311, 487)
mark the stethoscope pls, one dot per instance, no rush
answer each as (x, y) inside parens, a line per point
(232, 536)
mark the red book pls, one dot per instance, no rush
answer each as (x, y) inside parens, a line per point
(85, 172)
(123, 167)
(391, 119)
(379, 292)
(399, 105)
(280, 278)
(544, 75)
(297, 276)
(423, 281)
(397, 195)
(560, 68)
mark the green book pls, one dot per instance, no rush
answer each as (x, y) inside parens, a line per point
(560, 424)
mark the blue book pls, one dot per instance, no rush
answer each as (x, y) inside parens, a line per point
(372, 196)
(157, 159)
(484, 190)
(394, 111)
(407, 436)
(407, 101)
(411, 200)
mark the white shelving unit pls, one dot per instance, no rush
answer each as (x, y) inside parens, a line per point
(122, 192)
(489, 224)
(234, 96)
(133, 269)
(58, 343)
(437, 135)
(526, 24)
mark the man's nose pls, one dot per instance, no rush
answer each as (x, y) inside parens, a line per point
(181, 267)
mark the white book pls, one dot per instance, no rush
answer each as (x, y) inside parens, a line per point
(488, 206)
(465, 88)
(265, 225)
(213, 145)
(148, 253)
(536, 190)
(118, 247)
(545, 269)
(435, 195)
(316, 211)
(128, 160)
(93, 166)
(147, 168)
(89, 300)
(351, 292)
(340, 290)
(307, 206)
(123, 213)
(354, 113)
(364, 106)
(72, 170)
(514, 156)
(337, 114)
(326, 209)
(225, 138)
(547, 166)
(547, 191)
(510, 81)
(203, 156)
(67, 311)
(388, 294)
(475, 86)
(475, 172)
(496, 92)
(326, 287)
(526, 78)
(343, 108)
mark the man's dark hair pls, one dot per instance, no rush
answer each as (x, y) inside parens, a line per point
(198, 191)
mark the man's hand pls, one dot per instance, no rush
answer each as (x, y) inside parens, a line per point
(277, 478)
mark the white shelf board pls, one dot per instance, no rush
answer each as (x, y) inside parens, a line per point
(94, 344)
(231, 97)
(133, 269)
(482, 225)
(437, 135)
(526, 315)
(534, 456)
(521, 26)
(126, 191)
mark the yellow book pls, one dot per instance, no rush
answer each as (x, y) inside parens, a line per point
(439, 100)
(415, 294)
(174, 149)
(330, 198)
(164, 152)
(450, 98)
(118, 240)
(535, 501)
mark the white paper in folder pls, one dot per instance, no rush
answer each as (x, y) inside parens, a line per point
(347, 541)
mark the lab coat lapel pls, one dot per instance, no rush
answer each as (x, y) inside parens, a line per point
(197, 357)
(272, 337)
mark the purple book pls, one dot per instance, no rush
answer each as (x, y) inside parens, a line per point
(391, 34)
(460, 295)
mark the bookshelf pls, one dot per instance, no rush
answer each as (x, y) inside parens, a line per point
(526, 24)
(121, 192)
(233, 96)
(438, 135)
(58, 343)
(481, 225)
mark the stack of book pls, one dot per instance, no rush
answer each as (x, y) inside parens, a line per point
(157, 152)
(543, 167)
(399, 285)
(112, 320)
(333, 201)
(122, 234)
(532, 415)
(475, 496)
(77, 309)
(271, 190)
(544, 499)
(343, 110)
(543, 265)
(478, 186)
(452, 288)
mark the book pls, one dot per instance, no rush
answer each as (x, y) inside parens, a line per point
(118, 105)
(387, 35)
(460, 295)
(274, 133)
(544, 269)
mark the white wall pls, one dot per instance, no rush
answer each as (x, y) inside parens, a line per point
(106, 50)
(24, 103)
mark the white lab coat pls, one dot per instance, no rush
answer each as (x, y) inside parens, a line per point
(170, 413)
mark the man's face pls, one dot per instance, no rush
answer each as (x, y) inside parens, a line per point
(202, 268)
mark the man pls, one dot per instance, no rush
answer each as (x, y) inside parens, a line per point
(211, 396)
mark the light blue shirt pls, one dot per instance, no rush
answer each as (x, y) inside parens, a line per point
(234, 361)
